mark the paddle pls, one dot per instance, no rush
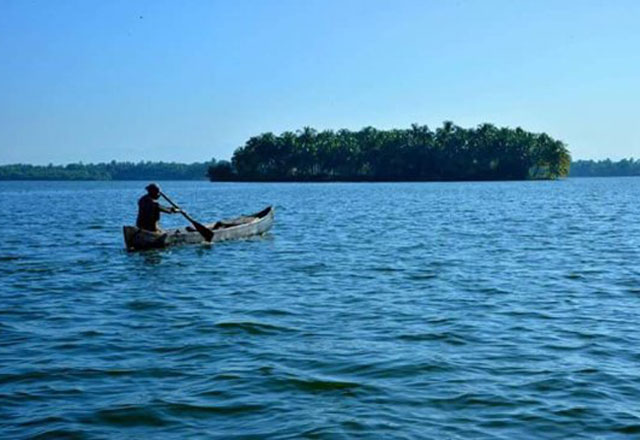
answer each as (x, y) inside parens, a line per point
(202, 229)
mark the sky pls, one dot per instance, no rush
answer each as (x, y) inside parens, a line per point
(189, 80)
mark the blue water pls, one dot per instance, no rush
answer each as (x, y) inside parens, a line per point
(503, 310)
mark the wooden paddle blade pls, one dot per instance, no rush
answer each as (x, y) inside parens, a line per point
(203, 230)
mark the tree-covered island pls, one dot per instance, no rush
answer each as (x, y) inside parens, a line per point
(415, 154)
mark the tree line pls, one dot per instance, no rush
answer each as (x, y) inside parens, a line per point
(449, 153)
(108, 171)
(605, 168)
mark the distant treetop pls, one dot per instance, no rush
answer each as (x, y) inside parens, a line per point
(107, 171)
(605, 168)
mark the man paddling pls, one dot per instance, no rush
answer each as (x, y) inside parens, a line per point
(149, 209)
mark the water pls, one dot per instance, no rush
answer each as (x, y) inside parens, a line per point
(413, 311)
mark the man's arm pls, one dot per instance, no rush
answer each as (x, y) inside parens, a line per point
(167, 209)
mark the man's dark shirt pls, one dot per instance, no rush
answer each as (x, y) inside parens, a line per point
(148, 213)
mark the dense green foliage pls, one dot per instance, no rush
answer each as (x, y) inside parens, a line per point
(448, 153)
(224, 171)
(605, 168)
(108, 171)
(221, 172)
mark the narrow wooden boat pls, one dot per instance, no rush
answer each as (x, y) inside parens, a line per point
(244, 226)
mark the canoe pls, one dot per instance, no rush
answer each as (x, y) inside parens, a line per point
(241, 227)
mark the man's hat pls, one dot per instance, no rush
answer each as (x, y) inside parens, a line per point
(152, 187)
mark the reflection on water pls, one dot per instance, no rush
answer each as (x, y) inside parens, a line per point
(152, 257)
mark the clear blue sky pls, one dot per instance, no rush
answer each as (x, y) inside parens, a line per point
(189, 80)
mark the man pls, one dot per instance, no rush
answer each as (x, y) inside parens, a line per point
(149, 209)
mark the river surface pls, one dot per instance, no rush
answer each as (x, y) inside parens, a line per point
(496, 310)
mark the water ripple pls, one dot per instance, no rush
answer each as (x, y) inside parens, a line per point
(493, 310)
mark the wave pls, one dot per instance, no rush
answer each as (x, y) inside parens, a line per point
(252, 327)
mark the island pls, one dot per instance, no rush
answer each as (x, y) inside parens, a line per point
(418, 153)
